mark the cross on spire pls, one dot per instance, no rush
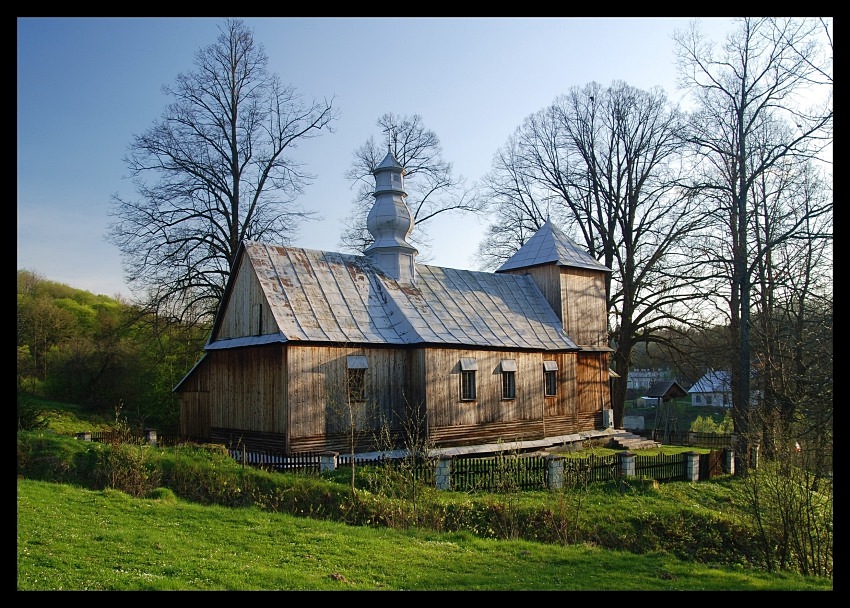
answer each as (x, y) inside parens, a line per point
(390, 131)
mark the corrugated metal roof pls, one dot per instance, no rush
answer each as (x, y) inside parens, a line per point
(333, 297)
(548, 245)
(247, 341)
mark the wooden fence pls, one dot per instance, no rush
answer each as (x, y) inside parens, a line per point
(492, 473)
(590, 468)
(499, 473)
(308, 462)
(692, 438)
(663, 467)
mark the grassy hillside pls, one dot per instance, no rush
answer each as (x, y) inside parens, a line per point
(126, 514)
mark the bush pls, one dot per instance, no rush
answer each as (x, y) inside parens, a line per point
(46, 456)
(706, 424)
(31, 416)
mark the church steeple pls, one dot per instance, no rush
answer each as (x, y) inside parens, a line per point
(390, 222)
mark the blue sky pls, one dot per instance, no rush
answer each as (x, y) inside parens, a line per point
(85, 86)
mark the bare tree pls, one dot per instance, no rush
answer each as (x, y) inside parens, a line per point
(605, 163)
(792, 298)
(749, 99)
(432, 190)
(214, 170)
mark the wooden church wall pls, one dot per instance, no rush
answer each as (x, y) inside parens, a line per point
(247, 389)
(318, 394)
(247, 313)
(586, 311)
(194, 397)
(490, 418)
(577, 296)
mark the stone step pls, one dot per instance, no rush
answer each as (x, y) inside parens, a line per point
(630, 441)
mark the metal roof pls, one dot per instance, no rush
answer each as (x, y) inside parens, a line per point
(667, 389)
(713, 382)
(322, 296)
(548, 245)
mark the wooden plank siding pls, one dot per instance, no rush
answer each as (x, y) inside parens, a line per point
(249, 392)
(445, 407)
(585, 310)
(318, 389)
(577, 295)
(195, 407)
(247, 311)
(531, 415)
(294, 398)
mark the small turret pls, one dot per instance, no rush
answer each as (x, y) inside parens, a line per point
(390, 222)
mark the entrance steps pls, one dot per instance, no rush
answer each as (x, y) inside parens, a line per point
(629, 441)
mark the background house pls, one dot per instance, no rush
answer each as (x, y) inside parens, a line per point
(713, 388)
(311, 349)
(641, 379)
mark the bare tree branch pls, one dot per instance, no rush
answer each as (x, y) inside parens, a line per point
(213, 171)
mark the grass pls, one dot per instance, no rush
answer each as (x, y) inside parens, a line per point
(70, 538)
(625, 535)
(70, 419)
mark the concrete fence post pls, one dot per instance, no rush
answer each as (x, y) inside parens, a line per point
(555, 466)
(729, 461)
(150, 436)
(692, 466)
(84, 436)
(328, 461)
(443, 474)
(627, 463)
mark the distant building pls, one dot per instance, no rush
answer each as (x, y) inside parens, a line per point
(663, 390)
(644, 378)
(714, 388)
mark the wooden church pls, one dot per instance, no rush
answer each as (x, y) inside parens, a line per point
(311, 348)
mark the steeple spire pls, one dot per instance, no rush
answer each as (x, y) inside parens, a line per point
(390, 221)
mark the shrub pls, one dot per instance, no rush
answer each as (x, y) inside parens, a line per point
(706, 424)
(31, 416)
(129, 468)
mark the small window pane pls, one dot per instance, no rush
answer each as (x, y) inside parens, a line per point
(508, 385)
(357, 362)
(467, 385)
(550, 384)
(357, 384)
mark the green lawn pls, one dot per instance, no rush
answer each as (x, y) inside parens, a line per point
(75, 539)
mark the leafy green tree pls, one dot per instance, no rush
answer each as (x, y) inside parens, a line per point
(104, 352)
